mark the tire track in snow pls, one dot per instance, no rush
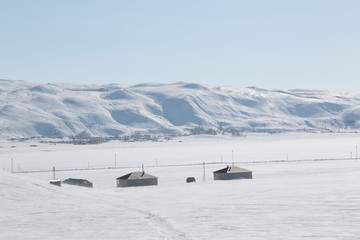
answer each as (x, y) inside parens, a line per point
(160, 224)
(165, 228)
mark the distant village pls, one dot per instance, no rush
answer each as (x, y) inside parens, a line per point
(84, 138)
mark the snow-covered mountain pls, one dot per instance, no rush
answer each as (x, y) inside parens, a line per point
(31, 109)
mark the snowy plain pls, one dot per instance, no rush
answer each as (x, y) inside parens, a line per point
(295, 193)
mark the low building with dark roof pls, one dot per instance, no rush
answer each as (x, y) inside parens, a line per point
(78, 182)
(135, 179)
(232, 173)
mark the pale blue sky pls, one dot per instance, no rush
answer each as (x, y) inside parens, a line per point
(312, 44)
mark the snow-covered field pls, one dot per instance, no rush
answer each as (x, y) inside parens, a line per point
(284, 200)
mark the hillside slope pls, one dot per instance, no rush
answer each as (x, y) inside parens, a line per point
(30, 109)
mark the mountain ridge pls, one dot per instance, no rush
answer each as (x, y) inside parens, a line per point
(64, 109)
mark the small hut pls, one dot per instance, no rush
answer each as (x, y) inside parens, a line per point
(135, 179)
(190, 179)
(78, 182)
(232, 173)
(54, 181)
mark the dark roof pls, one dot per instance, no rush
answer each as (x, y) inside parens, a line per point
(76, 181)
(233, 169)
(136, 175)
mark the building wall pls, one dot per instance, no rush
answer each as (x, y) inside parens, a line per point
(86, 184)
(136, 182)
(228, 176)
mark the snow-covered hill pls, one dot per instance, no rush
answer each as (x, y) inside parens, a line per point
(30, 109)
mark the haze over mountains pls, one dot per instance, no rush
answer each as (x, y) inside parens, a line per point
(31, 109)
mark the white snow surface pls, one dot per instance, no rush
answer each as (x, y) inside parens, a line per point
(286, 199)
(29, 109)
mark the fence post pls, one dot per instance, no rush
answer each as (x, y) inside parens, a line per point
(203, 171)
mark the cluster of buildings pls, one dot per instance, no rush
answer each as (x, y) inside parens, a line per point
(135, 179)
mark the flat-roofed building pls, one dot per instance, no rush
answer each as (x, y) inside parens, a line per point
(232, 172)
(135, 179)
